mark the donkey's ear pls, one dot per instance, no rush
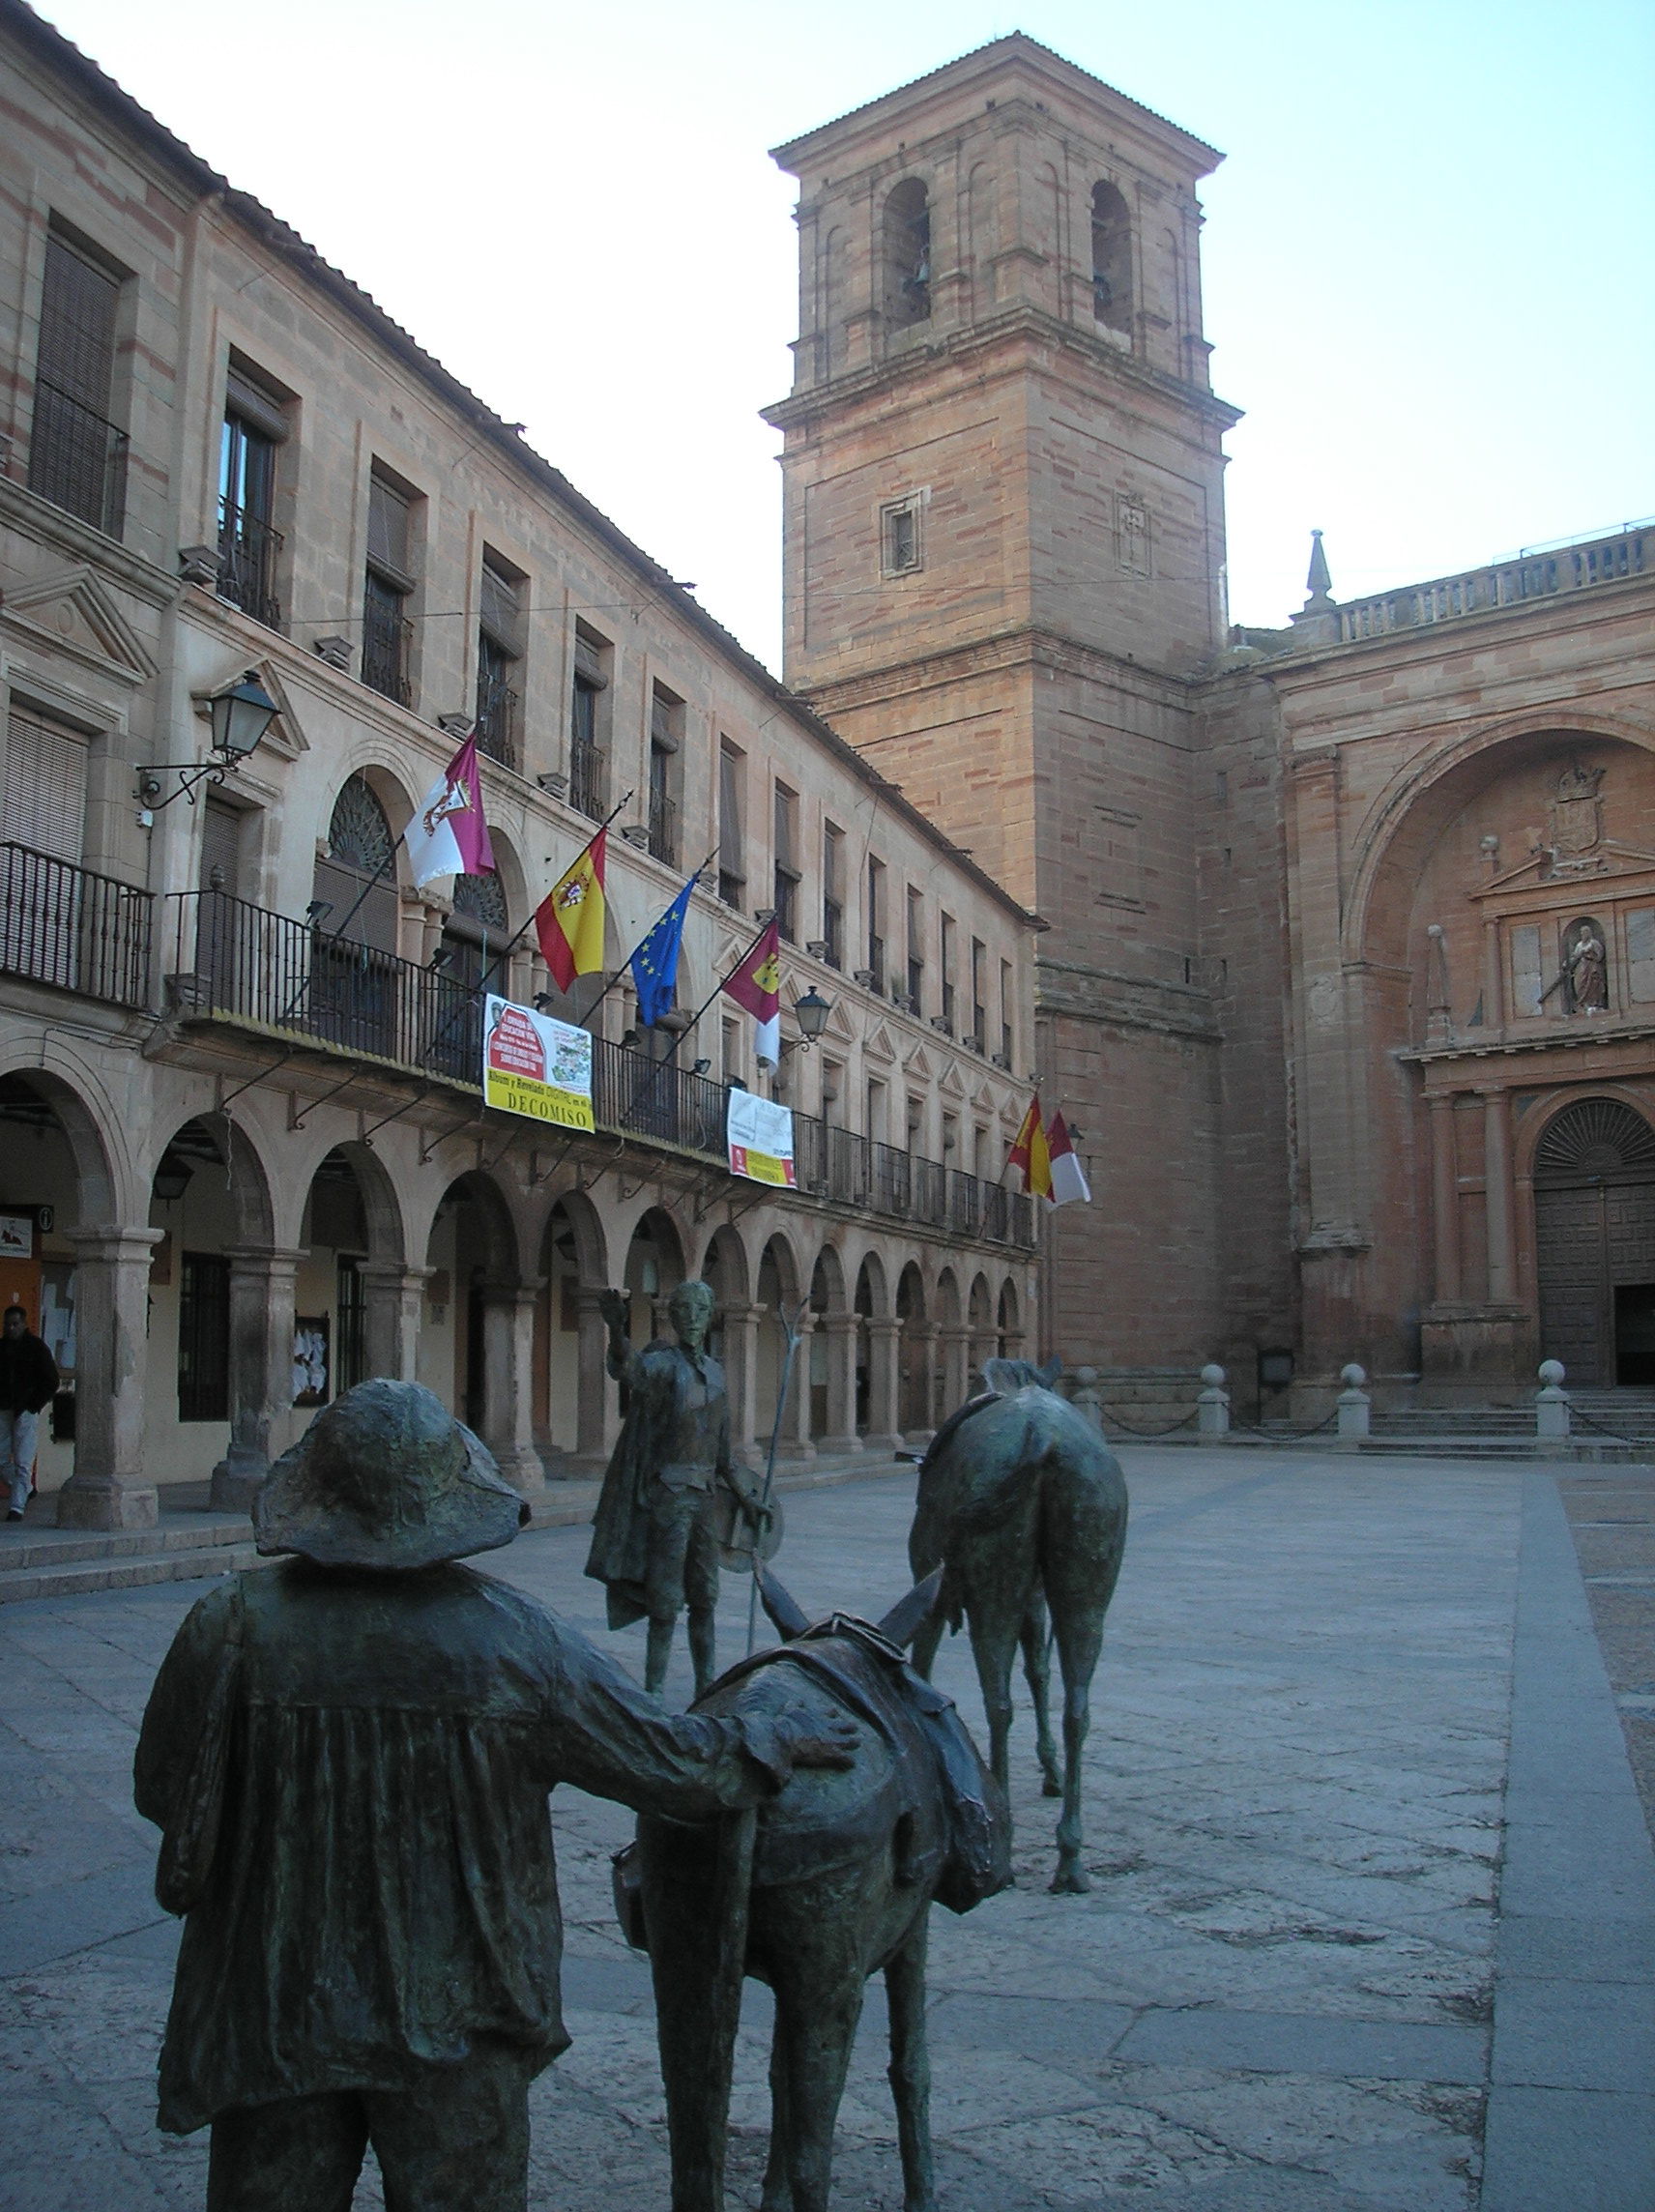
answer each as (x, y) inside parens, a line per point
(910, 1613)
(782, 1607)
(1050, 1373)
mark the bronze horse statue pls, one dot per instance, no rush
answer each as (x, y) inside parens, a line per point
(828, 1882)
(1023, 1506)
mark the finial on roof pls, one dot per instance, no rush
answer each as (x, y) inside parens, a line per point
(1319, 583)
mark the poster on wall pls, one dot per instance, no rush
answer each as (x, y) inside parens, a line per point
(537, 1066)
(310, 1378)
(760, 1135)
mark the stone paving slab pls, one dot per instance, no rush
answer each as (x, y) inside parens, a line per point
(1278, 1996)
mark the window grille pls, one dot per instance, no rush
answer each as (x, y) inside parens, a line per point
(732, 866)
(204, 1337)
(833, 893)
(77, 458)
(785, 848)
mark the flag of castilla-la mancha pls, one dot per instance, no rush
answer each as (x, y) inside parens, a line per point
(756, 984)
(569, 920)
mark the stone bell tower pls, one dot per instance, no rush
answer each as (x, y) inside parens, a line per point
(1003, 577)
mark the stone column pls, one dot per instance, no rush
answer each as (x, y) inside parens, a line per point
(883, 1383)
(1444, 1197)
(922, 1337)
(261, 1370)
(841, 1436)
(593, 1435)
(392, 1296)
(1497, 1183)
(956, 1369)
(795, 1440)
(109, 1489)
(507, 1390)
(740, 1370)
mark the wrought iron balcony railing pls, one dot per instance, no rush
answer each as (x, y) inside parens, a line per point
(497, 720)
(66, 926)
(248, 549)
(387, 652)
(589, 783)
(239, 963)
(77, 459)
(663, 828)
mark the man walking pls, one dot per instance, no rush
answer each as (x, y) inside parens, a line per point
(28, 1382)
(350, 1758)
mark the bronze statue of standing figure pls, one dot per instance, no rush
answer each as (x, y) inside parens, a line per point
(666, 1497)
(1022, 1505)
(350, 1757)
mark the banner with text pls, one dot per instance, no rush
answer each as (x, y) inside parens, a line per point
(535, 1066)
(759, 1134)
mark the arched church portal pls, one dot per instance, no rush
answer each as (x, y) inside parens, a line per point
(1594, 1239)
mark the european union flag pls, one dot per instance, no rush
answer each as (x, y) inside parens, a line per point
(655, 964)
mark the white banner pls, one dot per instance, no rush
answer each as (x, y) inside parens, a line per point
(535, 1066)
(760, 1135)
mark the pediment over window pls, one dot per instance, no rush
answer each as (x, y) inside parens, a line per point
(75, 612)
(877, 1045)
(1541, 872)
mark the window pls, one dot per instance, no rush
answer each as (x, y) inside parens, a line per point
(388, 635)
(875, 1129)
(666, 739)
(44, 803)
(730, 1045)
(834, 894)
(248, 541)
(732, 866)
(589, 766)
(979, 994)
(916, 952)
(876, 923)
(1641, 952)
(1111, 258)
(204, 1337)
(949, 932)
(1007, 1003)
(361, 858)
(786, 857)
(474, 934)
(46, 920)
(77, 458)
(900, 552)
(499, 650)
(907, 242)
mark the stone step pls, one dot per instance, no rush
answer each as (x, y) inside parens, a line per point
(69, 1579)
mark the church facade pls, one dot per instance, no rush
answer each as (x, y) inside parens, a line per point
(1350, 973)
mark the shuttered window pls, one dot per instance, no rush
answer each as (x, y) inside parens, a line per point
(79, 301)
(44, 803)
(220, 847)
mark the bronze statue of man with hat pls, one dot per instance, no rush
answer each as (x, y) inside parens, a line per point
(672, 1497)
(349, 1756)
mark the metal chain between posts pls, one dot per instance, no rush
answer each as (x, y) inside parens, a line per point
(1148, 1435)
(1602, 1429)
(1284, 1436)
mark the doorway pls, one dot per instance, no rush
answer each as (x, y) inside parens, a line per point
(1594, 1220)
(1635, 1334)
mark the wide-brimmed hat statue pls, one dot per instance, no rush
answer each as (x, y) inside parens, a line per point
(387, 1477)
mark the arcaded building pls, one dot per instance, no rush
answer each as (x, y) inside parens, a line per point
(244, 1155)
(1350, 979)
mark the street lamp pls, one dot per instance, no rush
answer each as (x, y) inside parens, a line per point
(811, 1013)
(238, 716)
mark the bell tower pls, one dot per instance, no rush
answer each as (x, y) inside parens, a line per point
(1003, 577)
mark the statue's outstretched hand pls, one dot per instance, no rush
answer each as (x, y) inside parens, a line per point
(807, 1741)
(611, 1305)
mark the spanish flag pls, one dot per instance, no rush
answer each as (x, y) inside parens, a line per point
(1032, 1152)
(756, 984)
(569, 920)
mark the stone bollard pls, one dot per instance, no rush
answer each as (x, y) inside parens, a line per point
(1212, 1406)
(1353, 1404)
(1550, 1401)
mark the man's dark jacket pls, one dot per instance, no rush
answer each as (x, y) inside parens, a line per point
(28, 1375)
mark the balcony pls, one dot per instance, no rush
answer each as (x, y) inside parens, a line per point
(388, 644)
(237, 963)
(663, 828)
(248, 549)
(65, 926)
(497, 719)
(588, 781)
(77, 461)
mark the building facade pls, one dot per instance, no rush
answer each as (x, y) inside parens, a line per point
(245, 1159)
(1344, 980)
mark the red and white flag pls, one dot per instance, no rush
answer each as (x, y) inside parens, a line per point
(756, 984)
(448, 836)
(1068, 1177)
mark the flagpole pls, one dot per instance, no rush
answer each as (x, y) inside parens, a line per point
(480, 988)
(642, 942)
(694, 1021)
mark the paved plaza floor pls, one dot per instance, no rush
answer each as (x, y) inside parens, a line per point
(1372, 1927)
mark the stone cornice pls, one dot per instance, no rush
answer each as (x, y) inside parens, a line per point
(75, 541)
(1027, 644)
(800, 409)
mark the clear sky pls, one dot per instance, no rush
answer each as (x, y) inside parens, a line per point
(1427, 261)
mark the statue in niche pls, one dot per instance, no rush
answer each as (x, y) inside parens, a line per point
(1585, 968)
(1576, 815)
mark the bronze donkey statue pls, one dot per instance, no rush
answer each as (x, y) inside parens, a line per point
(1023, 1506)
(829, 1882)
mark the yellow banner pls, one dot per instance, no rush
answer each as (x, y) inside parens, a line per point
(535, 1066)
